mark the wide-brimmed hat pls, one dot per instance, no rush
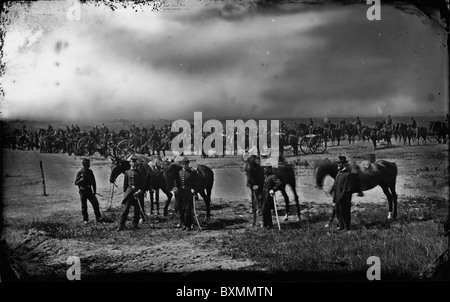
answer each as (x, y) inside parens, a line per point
(342, 160)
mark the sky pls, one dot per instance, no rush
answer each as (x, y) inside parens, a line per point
(221, 59)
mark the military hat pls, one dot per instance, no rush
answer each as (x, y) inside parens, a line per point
(86, 161)
(133, 158)
(185, 160)
(342, 160)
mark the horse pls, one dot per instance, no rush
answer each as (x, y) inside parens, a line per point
(381, 173)
(289, 140)
(440, 129)
(157, 168)
(203, 187)
(152, 177)
(255, 177)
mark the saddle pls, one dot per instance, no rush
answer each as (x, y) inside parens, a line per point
(365, 165)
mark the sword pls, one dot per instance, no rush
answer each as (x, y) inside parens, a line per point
(276, 211)
(141, 210)
(195, 212)
(254, 206)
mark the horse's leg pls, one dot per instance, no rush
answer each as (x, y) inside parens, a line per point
(207, 203)
(286, 201)
(150, 192)
(157, 200)
(394, 199)
(169, 198)
(297, 204)
(389, 198)
(254, 206)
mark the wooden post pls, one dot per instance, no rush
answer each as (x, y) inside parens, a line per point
(43, 179)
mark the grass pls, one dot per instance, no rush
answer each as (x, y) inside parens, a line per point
(405, 247)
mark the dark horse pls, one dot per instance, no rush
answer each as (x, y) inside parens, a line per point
(204, 187)
(154, 179)
(381, 173)
(255, 177)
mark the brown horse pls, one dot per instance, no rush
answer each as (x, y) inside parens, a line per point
(204, 187)
(255, 177)
(381, 173)
(154, 181)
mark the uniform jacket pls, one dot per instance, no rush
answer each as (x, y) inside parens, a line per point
(343, 186)
(132, 182)
(85, 180)
(186, 179)
(271, 182)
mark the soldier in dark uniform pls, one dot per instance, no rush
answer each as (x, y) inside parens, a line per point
(271, 185)
(342, 189)
(311, 126)
(85, 181)
(133, 187)
(185, 183)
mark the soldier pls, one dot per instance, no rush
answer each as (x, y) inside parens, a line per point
(342, 198)
(358, 124)
(271, 184)
(184, 188)
(311, 126)
(85, 181)
(133, 187)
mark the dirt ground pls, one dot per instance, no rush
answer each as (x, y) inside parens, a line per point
(423, 172)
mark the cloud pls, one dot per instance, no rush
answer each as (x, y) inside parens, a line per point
(223, 62)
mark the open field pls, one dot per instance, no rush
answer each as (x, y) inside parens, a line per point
(41, 232)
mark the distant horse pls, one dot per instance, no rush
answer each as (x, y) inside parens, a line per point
(381, 132)
(381, 173)
(204, 187)
(333, 132)
(153, 179)
(351, 131)
(421, 133)
(289, 140)
(255, 177)
(440, 129)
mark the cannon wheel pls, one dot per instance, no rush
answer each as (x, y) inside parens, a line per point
(125, 148)
(318, 144)
(84, 145)
(304, 145)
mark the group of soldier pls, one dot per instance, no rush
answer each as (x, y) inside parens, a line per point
(134, 190)
(67, 140)
(184, 189)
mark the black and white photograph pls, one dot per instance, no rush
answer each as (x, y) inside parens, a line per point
(229, 143)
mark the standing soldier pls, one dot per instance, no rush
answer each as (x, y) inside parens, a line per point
(85, 181)
(184, 188)
(342, 190)
(358, 124)
(311, 126)
(133, 187)
(271, 184)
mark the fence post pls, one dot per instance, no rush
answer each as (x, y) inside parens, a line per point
(43, 179)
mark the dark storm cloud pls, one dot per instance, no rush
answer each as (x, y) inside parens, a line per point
(360, 62)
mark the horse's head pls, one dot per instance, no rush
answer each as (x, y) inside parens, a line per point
(253, 171)
(170, 173)
(324, 168)
(118, 166)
